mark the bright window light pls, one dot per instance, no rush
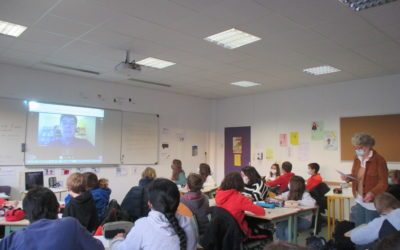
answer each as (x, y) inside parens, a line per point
(321, 70)
(11, 29)
(245, 84)
(232, 39)
(155, 63)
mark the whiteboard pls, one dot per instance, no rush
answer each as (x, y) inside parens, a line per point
(12, 131)
(139, 138)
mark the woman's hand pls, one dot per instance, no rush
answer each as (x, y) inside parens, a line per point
(369, 197)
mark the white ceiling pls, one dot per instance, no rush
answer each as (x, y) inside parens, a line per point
(94, 34)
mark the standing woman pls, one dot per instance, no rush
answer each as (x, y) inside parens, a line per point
(205, 172)
(369, 177)
(178, 175)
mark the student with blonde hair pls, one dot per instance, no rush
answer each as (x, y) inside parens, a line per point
(81, 205)
(389, 221)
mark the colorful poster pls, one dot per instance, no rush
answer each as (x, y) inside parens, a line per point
(237, 160)
(317, 130)
(330, 141)
(283, 140)
(294, 138)
(237, 145)
(269, 154)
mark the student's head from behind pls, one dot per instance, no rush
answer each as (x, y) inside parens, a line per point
(91, 180)
(76, 183)
(233, 181)
(68, 125)
(40, 203)
(250, 175)
(287, 167)
(103, 183)
(385, 203)
(149, 173)
(313, 168)
(391, 242)
(275, 170)
(194, 182)
(204, 170)
(297, 186)
(164, 197)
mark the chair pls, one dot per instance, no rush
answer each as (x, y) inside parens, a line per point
(224, 233)
(318, 193)
(111, 229)
(5, 189)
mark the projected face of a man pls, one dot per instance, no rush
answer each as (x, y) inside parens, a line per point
(68, 127)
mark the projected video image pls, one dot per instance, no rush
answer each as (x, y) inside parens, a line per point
(58, 130)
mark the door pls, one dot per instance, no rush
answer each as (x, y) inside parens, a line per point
(237, 148)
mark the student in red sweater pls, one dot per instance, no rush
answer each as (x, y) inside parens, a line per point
(230, 198)
(315, 178)
(283, 180)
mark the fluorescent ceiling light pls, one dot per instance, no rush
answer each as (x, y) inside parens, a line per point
(321, 70)
(358, 5)
(11, 29)
(245, 84)
(232, 38)
(155, 63)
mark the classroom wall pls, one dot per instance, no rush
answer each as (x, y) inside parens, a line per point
(180, 117)
(270, 114)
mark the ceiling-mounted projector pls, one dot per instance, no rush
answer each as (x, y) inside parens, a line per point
(128, 67)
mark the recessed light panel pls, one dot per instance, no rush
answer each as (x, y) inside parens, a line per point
(321, 70)
(245, 84)
(232, 39)
(155, 63)
(11, 29)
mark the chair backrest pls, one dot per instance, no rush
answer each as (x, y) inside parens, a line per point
(111, 229)
(5, 189)
(223, 232)
(386, 229)
(318, 193)
(135, 203)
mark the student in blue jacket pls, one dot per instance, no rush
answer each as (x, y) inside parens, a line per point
(46, 231)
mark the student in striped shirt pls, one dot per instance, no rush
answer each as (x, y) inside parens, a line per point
(255, 187)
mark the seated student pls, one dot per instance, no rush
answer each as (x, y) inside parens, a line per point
(135, 201)
(254, 186)
(178, 175)
(81, 205)
(389, 209)
(103, 183)
(205, 172)
(196, 201)
(46, 231)
(274, 172)
(297, 192)
(394, 184)
(283, 180)
(162, 228)
(101, 196)
(230, 198)
(315, 177)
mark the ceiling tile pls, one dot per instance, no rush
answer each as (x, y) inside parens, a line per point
(62, 26)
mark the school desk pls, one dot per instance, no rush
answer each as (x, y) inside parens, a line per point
(56, 191)
(12, 226)
(208, 191)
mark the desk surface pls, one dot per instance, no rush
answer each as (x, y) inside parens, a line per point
(275, 213)
(54, 190)
(3, 222)
(203, 190)
(347, 193)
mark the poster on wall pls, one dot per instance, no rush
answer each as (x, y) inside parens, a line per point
(283, 140)
(195, 150)
(237, 145)
(317, 130)
(294, 138)
(269, 154)
(330, 141)
(237, 160)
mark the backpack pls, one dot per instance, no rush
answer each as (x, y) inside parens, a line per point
(114, 213)
(340, 241)
(316, 243)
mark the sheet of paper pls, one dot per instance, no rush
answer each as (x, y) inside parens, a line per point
(346, 175)
(237, 161)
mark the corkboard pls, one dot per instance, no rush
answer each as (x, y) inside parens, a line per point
(384, 128)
